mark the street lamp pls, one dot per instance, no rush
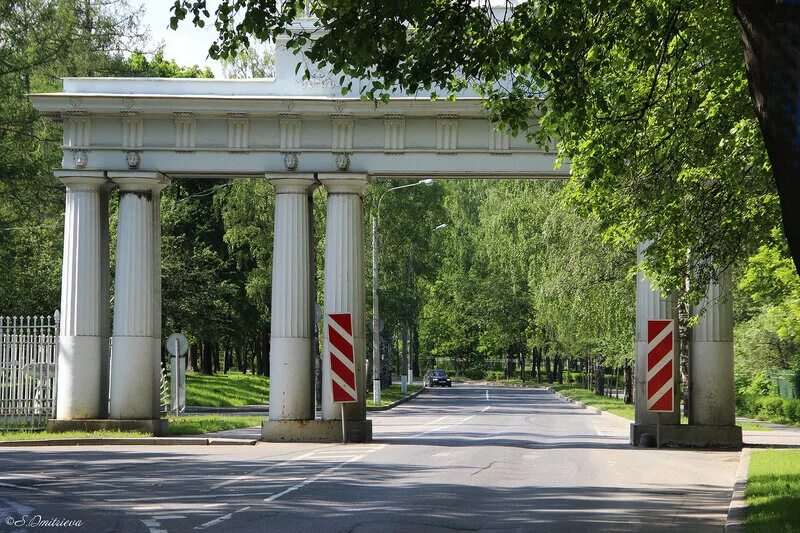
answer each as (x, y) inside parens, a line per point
(376, 340)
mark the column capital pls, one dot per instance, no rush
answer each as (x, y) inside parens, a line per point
(82, 180)
(139, 181)
(292, 182)
(344, 182)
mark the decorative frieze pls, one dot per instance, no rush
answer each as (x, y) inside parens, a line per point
(238, 132)
(291, 132)
(394, 132)
(77, 132)
(447, 133)
(499, 141)
(132, 132)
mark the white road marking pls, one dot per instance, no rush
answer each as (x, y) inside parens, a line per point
(487, 395)
(220, 519)
(486, 408)
(261, 471)
(35, 489)
(312, 479)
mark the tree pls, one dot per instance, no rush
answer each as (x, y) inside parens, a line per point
(647, 99)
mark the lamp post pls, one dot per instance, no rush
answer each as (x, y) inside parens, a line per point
(376, 339)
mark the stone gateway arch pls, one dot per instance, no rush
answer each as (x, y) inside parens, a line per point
(139, 135)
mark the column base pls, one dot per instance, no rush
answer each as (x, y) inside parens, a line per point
(79, 376)
(315, 431)
(685, 436)
(158, 427)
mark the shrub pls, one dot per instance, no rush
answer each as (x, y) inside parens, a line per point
(761, 383)
(771, 408)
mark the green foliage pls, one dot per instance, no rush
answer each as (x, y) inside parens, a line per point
(647, 100)
(773, 491)
(769, 408)
(140, 66)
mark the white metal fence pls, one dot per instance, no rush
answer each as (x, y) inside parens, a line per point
(28, 356)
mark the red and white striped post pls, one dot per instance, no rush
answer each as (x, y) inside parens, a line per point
(660, 369)
(342, 362)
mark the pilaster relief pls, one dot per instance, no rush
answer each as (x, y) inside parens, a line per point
(291, 132)
(499, 141)
(342, 139)
(394, 132)
(77, 131)
(238, 132)
(447, 133)
(185, 130)
(132, 132)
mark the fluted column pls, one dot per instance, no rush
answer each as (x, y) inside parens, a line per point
(291, 363)
(134, 359)
(80, 339)
(344, 280)
(711, 358)
(650, 305)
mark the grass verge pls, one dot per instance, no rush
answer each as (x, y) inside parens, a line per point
(613, 405)
(392, 394)
(43, 435)
(233, 389)
(773, 491)
(752, 426)
(197, 425)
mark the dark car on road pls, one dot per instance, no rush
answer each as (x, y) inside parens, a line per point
(437, 377)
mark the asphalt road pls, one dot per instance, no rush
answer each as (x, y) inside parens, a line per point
(462, 458)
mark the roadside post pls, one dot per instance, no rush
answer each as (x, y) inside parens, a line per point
(660, 370)
(177, 346)
(342, 362)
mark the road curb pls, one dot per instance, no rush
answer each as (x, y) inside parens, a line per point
(737, 510)
(398, 402)
(130, 441)
(581, 405)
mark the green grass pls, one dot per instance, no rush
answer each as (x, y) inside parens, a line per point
(197, 425)
(44, 435)
(233, 389)
(392, 394)
(773, 491)
(752, 426)
(612, 405)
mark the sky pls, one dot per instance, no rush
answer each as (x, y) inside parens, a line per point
(188, 45)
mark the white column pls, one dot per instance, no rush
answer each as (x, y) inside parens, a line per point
(650, 305)
(344, 280)
(134, 386)
(711, 358)
(80, 340)
(291, 363)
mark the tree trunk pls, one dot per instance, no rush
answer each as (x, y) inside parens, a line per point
(265, 347)
(600, 382)
(415, 350)
(547, 369)
(521, 356)
(215, 357)
(192, 364)
(206, 365)
(771, 39)
(240, 360)
(628, 398)
(560, 369)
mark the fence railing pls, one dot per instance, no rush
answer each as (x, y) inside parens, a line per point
(28, 356)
